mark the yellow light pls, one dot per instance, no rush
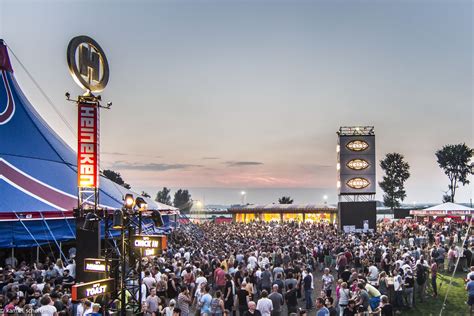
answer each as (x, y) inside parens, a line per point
(358, 183)
(129, 201)
(357, 164)
(338, 166)
(357, 145)
(338, 148)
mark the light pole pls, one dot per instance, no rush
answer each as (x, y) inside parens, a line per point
(243, 195)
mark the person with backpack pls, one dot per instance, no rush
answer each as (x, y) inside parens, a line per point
(217, 305)
(398, 288)
(421, 281)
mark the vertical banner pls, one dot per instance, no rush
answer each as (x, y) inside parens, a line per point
(88, 146)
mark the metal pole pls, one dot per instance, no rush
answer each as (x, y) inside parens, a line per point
(140, 264)
(37, 253)
(124, 275)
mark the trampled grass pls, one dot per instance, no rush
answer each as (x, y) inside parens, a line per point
(455, 303)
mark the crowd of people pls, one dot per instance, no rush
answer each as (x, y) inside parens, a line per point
(265, 269)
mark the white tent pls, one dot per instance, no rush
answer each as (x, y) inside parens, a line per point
(444, 209)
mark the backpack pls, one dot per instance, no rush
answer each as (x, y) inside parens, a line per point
(215, 307)
(420, 276)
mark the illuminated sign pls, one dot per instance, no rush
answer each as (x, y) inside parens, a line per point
(94, 265)
(150, 252)
(357, 164)
(155, 242)
(357, 145)
(88, 146)
(358, 183)
(87, 64)
(90, 289)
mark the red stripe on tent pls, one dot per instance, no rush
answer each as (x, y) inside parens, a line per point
(44, 192)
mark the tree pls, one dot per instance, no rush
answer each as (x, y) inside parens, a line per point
(455, 161)
(144, 194)
(396, 173)
(285, 200)
(182, 200)
(116, 177)
(163, 196)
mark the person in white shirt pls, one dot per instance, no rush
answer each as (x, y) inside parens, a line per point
(72, 268)
(47, 309)
(87, 307)
(265, 305)
(252, 261)
(200, 279)
(373, 273)
(148, 280)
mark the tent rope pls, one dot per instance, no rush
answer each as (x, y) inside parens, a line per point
(29, 232)
(69, 226)
(42, 92)
(455, 268)
(54, 238)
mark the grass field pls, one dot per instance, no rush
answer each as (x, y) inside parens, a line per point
(455, 304)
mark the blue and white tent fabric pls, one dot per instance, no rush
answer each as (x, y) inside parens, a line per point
(38, 173)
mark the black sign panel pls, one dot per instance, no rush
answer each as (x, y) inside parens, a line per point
(90, 289)
(356, 164)
(94, 265)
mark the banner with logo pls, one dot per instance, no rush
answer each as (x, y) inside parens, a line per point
(91, 289)
(88, 146)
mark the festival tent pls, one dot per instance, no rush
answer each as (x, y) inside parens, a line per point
(38, 174)
(445, 209)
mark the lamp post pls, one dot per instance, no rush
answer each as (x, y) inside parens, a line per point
(243, 195)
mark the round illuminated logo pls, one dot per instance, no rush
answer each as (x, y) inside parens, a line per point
(357, 164)
(87, 63)
(357, 145)
(358, 183)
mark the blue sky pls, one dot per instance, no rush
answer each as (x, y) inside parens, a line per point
(249, 94)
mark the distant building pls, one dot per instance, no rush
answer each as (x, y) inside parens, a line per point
(284, 212)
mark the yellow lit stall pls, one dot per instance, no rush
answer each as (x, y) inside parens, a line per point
(250, 217)
(316, 218)
(293, 217)
(268, 217)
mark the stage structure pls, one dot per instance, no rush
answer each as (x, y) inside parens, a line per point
(356, 166)
(116, 269)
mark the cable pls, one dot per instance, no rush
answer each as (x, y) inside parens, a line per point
(43, 93)
(455, 268)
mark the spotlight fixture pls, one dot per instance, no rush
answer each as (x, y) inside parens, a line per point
(117, 222)
(141, 203)
(157, 219)
(89, 221)
(128, 201)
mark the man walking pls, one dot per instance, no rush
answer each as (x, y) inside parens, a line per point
(277, 300)
(308, 289)
(265, 305)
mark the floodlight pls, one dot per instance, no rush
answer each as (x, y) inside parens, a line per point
(128, 201)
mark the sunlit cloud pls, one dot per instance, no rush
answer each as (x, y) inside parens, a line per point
(243, 163)
(152, 166)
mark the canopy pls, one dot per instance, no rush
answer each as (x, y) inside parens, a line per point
(445, 209)
(38, 172)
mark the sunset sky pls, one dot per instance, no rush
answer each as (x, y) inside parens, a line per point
(224, 96)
